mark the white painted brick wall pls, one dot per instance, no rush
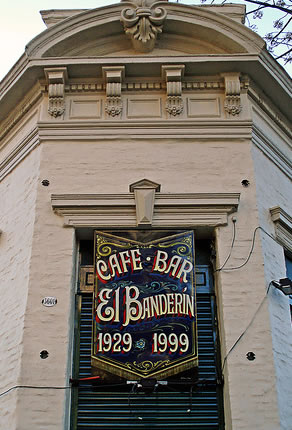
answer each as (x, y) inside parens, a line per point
(274, 188)
(18, 199)
(109, 167)
(46, 261)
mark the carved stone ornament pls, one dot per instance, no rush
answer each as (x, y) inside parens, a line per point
(143, 22)
(232, 104)
(174, 105)
(144, 191)
(113, 78)
(56, 79)
(113, 106)
(173, 76)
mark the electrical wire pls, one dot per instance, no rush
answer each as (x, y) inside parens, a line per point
(247, 327)
(232, 244)
(37, 387)
(34, 387)
(250, 252)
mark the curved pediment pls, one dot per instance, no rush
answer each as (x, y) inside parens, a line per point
(187, 30)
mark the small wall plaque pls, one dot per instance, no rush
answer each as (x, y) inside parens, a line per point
(49, 301)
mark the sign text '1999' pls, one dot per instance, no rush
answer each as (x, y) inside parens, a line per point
(118, 343)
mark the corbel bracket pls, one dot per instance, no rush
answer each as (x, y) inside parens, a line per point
(144, 192)
(173, 77)
(56, 78)
(232, 103)
(113, 77)
(143, 21)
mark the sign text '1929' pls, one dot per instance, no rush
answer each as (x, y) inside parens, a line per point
(117, 343)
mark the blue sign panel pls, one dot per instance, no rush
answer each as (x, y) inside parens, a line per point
(144, 312)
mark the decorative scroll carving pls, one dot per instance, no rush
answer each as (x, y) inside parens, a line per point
(232, 103)
(143, 22)
(56, 78)
(173, 76)
(144, 192)
(113, 77)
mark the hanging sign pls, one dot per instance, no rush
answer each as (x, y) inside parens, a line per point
(144, 311)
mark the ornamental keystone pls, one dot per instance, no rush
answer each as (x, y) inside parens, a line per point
(142, 20)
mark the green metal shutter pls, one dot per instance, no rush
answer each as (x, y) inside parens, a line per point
(116, 409)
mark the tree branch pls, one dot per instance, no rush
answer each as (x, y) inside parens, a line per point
(285, 53)
(254, 10)
(281, 31)
(260, 3)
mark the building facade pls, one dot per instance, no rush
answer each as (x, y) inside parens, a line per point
(143, 120)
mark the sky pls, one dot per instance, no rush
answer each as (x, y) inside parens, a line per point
(20, 22)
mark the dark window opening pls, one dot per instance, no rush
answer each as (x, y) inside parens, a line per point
(192, 399)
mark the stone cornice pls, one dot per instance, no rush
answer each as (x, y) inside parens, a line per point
(266, 145)
(221, 130)
(264, 103)
(119, 210)
(199, 65)
(30, 100)
(279, 73)
(283, 226)
(180, 14)
(19, 152)
(234, 11)
(202, 129)
(280, 216)
(91, 86)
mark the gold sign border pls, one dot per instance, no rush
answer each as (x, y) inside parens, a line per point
(179, 365)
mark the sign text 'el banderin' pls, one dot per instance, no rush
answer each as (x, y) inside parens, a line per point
(144, 306)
